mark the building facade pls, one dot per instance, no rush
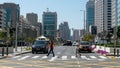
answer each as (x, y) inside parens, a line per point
(2, 19)
(103, 15)
(89, 14)
(13, 13)
(32, 18)
(49, 20)
(64, 31)
(76, 35)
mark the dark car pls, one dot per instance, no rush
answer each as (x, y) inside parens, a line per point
(68, 43)
(85, 46)
(40, 46)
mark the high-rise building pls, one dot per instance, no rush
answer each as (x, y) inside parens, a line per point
(2, 19)
(32, 18)
(64, 31)
(89, 14)
(49, 20)
(76, 35)
(103, 15)
(13, 13)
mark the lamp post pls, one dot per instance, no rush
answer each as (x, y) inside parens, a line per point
(84, 20)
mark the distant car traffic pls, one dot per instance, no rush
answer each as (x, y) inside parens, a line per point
(40, 46)
(68, 43)
(85, 46)
(75, 44)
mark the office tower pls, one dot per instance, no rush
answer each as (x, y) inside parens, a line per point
(76, 35)
(103, 15)
(32, 18)
(64, 31)
(49, 20)
(2, 19)
(89, 14)
(13, 13)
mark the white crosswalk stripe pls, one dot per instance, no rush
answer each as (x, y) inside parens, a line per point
(23, 57)
(103, 57)
(35, 57)
(73, 57)
(93, 57)
(50, 58)
(64, 57)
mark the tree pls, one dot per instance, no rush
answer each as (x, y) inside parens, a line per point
(118, 31)
(88, 37)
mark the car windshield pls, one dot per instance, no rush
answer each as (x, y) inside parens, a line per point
(84, 43)
(38, 43)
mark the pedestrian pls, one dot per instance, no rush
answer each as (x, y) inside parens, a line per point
(78, 47)
(51, 48)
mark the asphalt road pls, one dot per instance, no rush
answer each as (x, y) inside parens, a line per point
(64, 58)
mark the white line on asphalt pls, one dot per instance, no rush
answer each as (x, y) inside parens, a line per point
(34, 57)
(53, 58)
(84, 57)
(103, 57)
(93, 57)
(73, 57)
(44, 57)
(23, 57)
(16, 57)
(64, 57)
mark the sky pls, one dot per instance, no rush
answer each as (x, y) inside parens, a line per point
(67, 10)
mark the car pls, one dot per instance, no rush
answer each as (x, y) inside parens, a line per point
(40, 46)
(68, 43)
(75, 44)
(85, 46)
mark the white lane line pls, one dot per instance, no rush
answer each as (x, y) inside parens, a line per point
(44, 57)
(73, 57)
(84, 57)
(16, 57)
(93, 57)
(64, 57)
(53, 58)
(34, 57)
(103, 57)
(23, 57)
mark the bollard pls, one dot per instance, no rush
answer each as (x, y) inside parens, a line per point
(7, 51)
(114, 51)
(3, 51)
(117, 52)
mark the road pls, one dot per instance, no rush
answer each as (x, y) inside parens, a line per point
(64, 58)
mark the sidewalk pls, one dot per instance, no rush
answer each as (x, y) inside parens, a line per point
(20, 50)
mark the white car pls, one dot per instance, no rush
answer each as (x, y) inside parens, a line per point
(75, 44)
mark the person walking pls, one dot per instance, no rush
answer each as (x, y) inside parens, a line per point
(51, 48)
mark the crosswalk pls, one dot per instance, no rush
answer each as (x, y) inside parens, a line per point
(50, 58)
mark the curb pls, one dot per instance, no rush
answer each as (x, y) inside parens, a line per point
(3, 57)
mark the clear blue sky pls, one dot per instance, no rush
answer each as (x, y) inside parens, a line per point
(67, 10)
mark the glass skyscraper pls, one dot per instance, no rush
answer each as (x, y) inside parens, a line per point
(49, 24)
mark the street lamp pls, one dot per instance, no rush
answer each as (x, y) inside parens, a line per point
(84, 19)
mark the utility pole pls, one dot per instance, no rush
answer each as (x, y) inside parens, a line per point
(16, 36)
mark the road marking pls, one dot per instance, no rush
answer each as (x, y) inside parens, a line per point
(93, 57)
(64, 57)
(58, 53)
(53, 58)
(84, 57)
(44, 57)
(23, 57)
(16, 57)
(103, 57)
(73, 57)
(35, 57)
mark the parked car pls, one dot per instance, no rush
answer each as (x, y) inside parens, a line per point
(85, 46)
(75, 44)
(40, 46)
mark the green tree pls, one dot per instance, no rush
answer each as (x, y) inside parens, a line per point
(118, 31)
(30, 39)
(3, 35)
(88, 37)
